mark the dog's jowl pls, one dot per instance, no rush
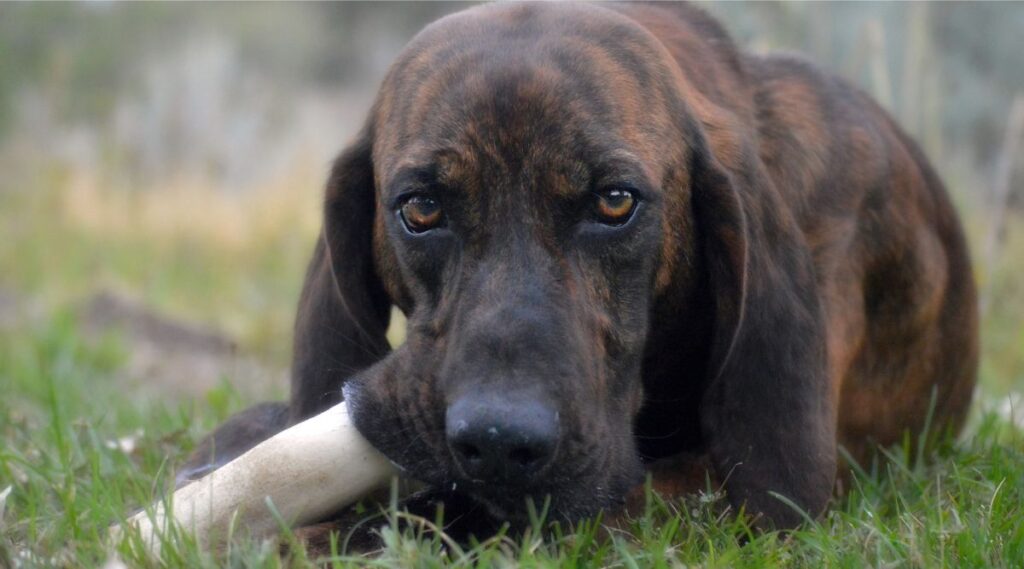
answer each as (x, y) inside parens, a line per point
(618, 240)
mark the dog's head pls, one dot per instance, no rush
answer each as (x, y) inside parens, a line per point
(522, 192)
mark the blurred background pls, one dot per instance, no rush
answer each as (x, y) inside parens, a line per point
(161, 164)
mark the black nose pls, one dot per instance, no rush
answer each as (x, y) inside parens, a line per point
(502, 439)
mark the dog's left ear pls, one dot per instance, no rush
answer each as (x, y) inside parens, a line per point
(344, 310)
(767, 412)
(350, 208)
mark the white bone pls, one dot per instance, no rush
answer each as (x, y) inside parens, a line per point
(308, 471)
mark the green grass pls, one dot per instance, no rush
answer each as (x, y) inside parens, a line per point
(61, 410)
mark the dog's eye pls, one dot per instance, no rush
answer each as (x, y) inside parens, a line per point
(421, 213)
(615, 206)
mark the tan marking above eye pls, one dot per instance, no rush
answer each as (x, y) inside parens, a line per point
(421, 213)
(615, 206)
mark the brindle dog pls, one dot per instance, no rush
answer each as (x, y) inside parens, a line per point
(617, 239)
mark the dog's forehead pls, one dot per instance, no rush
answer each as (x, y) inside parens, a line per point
(524, 88)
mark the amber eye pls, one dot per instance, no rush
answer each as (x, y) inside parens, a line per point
(421, 213)
(615, 207)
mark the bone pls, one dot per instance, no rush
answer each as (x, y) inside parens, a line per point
(308, 471)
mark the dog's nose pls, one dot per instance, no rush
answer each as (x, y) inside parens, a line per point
(502, 440)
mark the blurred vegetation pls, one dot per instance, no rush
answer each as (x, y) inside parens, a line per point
(85, 55)
(176, 152)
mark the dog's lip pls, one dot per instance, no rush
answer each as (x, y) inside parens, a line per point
(350, 395)
(513, 506)
(499, 488)
(503, 496)
(503, 506)
(532, 481)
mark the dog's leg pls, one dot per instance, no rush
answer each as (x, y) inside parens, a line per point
(238, 434)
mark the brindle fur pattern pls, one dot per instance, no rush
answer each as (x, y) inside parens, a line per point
(795, 277)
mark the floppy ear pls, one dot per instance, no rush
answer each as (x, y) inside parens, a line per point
(344, 310)
(767, 411)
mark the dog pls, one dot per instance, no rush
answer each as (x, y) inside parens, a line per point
(618, 239)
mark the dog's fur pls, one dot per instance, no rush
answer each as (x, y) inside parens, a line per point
(794, 277)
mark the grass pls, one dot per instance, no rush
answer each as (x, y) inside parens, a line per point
(62, 416)
(78, 451)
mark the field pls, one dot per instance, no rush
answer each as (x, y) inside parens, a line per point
(135, 316)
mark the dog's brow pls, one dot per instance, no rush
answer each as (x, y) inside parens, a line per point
(600, 169)
(419, 175)
(426, 165)
(621, 168)
(408, 180)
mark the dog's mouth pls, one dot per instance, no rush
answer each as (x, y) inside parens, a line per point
(508, 503)
(516, 507)
(557, 497)
(460, 500)
(473, 515)
(516, 504)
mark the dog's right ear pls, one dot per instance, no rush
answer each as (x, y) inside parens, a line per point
(767, 413)
(344, 310)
